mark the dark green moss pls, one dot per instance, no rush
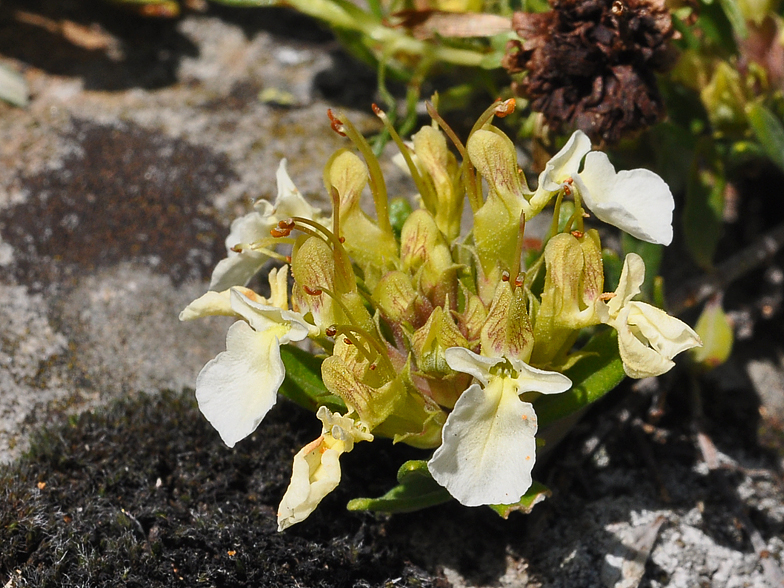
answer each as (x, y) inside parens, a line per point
(145, 494)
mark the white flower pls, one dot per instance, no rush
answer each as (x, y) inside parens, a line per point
(237, 388)
(219, 303)
(637, 201)
(316, 470)
(239, 267)
(488, 442)
(648, 338)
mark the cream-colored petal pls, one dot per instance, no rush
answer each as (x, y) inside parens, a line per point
(287, 325)
(209, 304)
(237, 388)
(632, 277)
(636, 201)
(248, 229)
(279, 281)
(464, 360)
(290, 201)
(316, 473)
(668, 335)
(237, 270)
(565, 164)
(217, 304)
(639, 359)
(531, 379)
(488, 448)
(343, 428)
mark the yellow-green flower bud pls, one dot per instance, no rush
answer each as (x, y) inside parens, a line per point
(507, 330)
(431, 150)
(365, 387)
(497, 222)
(574, 280)
(373, 249)
(725, 100)
(430, 341)
(425, 253)
(394, 296)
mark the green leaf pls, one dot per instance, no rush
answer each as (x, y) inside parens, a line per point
(416, 490)
(769, 131)
(536, 494)
(592, 377)
(303, 383)
(702, 214)
(735, 16)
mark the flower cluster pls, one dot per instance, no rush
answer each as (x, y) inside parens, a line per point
(441, 340)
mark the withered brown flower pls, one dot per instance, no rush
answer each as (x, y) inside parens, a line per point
(591, 64)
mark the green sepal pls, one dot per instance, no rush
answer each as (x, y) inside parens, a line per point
(416, 490)
(592, 377)
(535, 494)
(303, 383)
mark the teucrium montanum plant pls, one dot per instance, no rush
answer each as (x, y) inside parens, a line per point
(443, 341)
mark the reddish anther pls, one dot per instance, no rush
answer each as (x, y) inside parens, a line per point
(311, 291)
(286, 224)
(276, 232)
(519, 281)
(505, 276)
(505, 108)
(342, 239)
(336, 123)
(577, 234)
(376, 110)
(347, 341)
(331, 331)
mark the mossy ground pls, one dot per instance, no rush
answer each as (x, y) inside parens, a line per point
(145, 494)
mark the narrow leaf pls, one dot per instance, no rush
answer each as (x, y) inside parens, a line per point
(769, 131)
(536, 494)
(735, 16)
(702, 215)
(416, 490)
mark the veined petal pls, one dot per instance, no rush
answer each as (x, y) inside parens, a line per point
(464, 360)
(315, 474)
(237, 388)
(488, 447)
(290, 201)
(637, 201)
(565, 164)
